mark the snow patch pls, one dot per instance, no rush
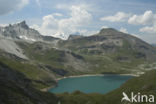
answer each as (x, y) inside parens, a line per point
(26, 38)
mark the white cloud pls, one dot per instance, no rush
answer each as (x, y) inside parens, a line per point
(148, 18)
(124, 30)
(103, 27)
(148, 29)
(50, 22)
(67, 6)
(57, 14)
(51, 25)
(62, 6)
(3, 25)
(118, 17)
(136, 35)
(8, 6)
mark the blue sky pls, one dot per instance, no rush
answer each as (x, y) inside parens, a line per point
(60, 18)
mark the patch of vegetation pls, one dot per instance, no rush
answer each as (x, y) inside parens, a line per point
(39, 77)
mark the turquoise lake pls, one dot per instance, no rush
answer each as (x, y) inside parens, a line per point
(90, 84)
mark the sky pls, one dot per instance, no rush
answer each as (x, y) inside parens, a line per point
(60, 18)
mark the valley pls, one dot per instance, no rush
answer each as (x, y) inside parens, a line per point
(42, 60)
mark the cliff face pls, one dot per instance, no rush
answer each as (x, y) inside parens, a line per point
(20, 31)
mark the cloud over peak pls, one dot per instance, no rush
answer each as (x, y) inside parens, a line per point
(57, 27)
(124, 30)
(147, 19)
(118, 17)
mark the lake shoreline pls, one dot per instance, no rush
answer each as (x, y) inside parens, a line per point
(85, 75)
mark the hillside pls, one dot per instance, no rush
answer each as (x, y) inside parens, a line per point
(60, 62)
(112, 51)
(15, 88)
(40, 78)
(109, 41)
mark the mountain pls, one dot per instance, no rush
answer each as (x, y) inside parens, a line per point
(111, 41)
(40, 61)
(108, 51)
(9, 35)
(112, 51)
(12, 54)
(22, 31)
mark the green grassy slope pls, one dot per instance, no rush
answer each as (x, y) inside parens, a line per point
(59, 62)
(39, 76)
(65, 63)
(144, 84)
(15, 88)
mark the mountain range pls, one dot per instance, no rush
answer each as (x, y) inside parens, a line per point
(37, 61)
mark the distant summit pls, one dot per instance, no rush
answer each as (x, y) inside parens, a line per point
(22, 31)
(75, 36)
(108, 31)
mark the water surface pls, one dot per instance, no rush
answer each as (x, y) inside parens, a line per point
(90, 84)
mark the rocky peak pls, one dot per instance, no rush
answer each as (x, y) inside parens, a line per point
(23, 25)
(21, 31)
